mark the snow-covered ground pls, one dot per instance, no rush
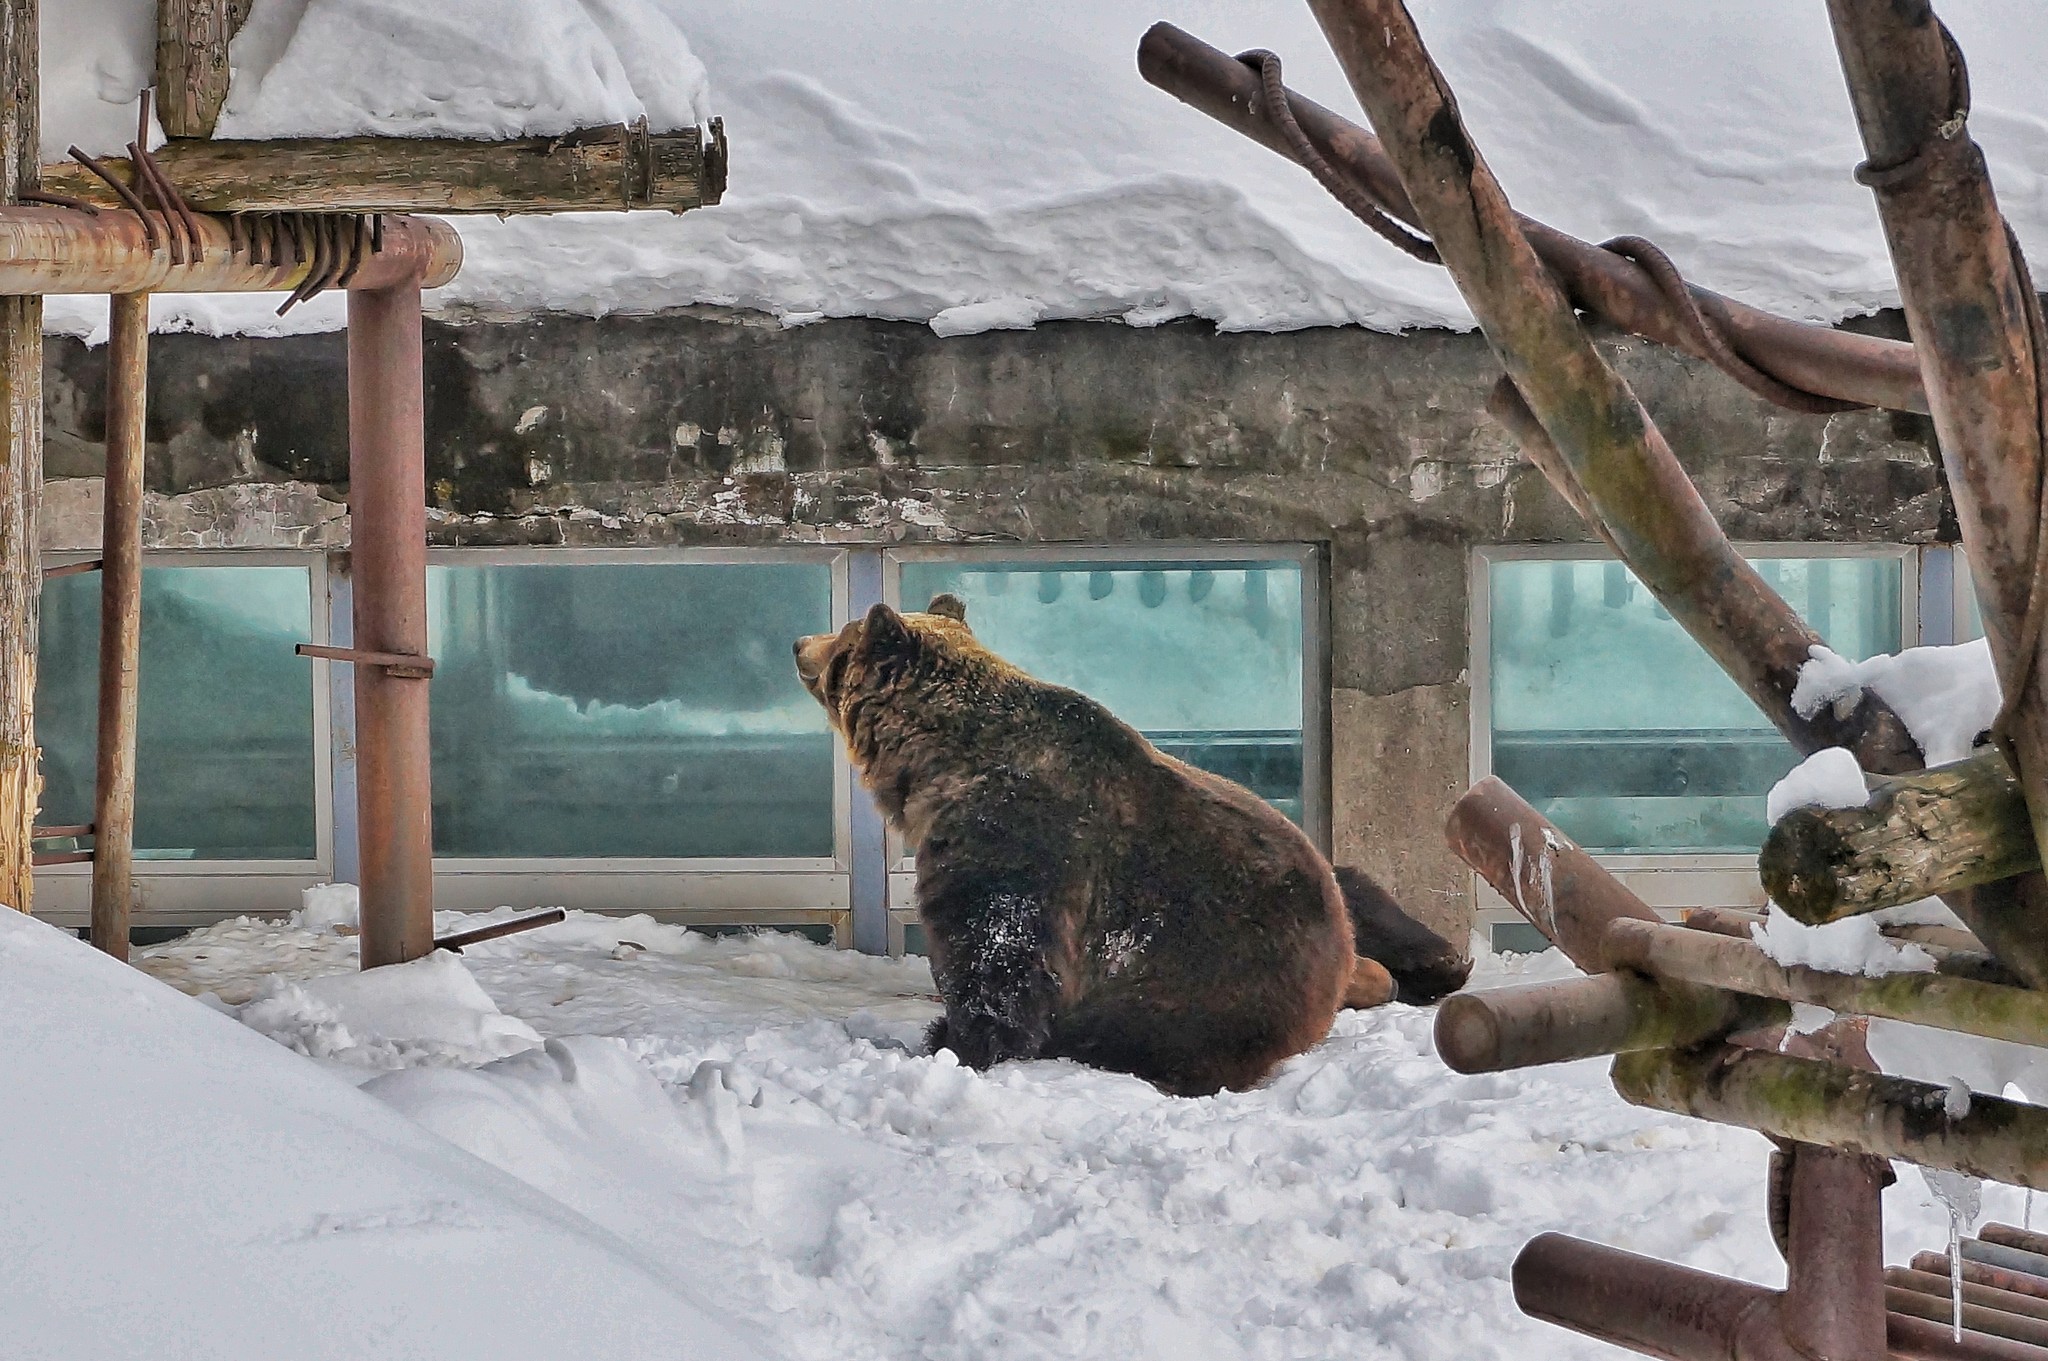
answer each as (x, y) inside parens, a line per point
(998, 163)
(751, 1112)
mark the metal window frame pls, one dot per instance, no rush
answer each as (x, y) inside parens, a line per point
(192, 892)
(700, 890)
(1311, 558)
(1673, 881)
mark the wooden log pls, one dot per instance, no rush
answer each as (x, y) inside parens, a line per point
(1581, 415)
(63, 250)
(113, 846)
(192, 38)
(1930, 999)
(21, 472)
(1968, 300)
(1824, 1103)
(1921, 836)
(1576, 1018)
(613, 169)
(1612, 289)
(1956, 953)
(1558, 888)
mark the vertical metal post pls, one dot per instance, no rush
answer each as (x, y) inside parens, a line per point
(113, 816)
(869, 870)
(388, 561)
(1834, 1292)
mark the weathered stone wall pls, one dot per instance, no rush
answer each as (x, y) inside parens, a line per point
(702, 429)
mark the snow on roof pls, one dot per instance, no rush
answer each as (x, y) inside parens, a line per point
(226, 1197)
(998, 163)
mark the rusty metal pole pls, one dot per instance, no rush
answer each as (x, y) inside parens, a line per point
(1834, 1255)
(388, 552)
(113, 816)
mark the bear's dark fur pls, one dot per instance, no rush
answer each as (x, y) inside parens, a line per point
(1083, 895)
(1425, 967)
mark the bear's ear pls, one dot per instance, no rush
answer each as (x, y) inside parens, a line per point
(949, 605)
(884, 634)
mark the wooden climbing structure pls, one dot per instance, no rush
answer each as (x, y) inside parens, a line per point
(1695, 1015)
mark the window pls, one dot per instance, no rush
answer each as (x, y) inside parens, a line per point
(227, 763)
(1204, 658)
(628, 709)
(1608, 718)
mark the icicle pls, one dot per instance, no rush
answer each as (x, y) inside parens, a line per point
(1963, 1196)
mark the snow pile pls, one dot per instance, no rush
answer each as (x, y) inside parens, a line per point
(1830, 778)
(996, 165)
(749, 1107)
(459, 68)
(1852, 945)
(330, 907)
(279, 1212)
(428, 1011)
(1946, 696)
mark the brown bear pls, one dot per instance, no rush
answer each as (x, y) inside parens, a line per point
(1083, 895)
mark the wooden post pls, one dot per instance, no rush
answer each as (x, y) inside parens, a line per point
(1577, 1018)
(387, 495)
(113, 818)
(1969, 303)
(21, 472)
(192, 38)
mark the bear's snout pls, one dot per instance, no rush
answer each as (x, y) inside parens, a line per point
(812, 655)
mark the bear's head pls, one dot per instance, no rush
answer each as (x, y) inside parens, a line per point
(889, 656)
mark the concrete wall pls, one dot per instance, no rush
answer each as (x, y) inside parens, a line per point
(723, 429)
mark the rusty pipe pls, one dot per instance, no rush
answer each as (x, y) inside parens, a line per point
(1615, 291)
(495, 930)
(1647, 1306)
(2002, 1279)
(388, 555)
(64, 250)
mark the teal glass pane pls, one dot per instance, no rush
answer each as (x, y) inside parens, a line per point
(629, 709)
(1616, 725)
(1203, 658)
(224, 723)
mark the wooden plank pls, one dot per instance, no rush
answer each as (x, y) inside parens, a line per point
(113, 862)
(613, 169)
(192, 38)
(21, 472)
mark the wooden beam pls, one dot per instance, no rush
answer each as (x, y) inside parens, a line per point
(613, 169)
(192, 38)
(1824, 1103)
(21, 472)
(2017, 1015)
(1922, 835)
(63, 250)
(113, 817)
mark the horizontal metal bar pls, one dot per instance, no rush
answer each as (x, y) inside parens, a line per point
(63, 250)
(401, 664)
(63, 830)
(72, 568)
(62, 858)
(456, 941)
